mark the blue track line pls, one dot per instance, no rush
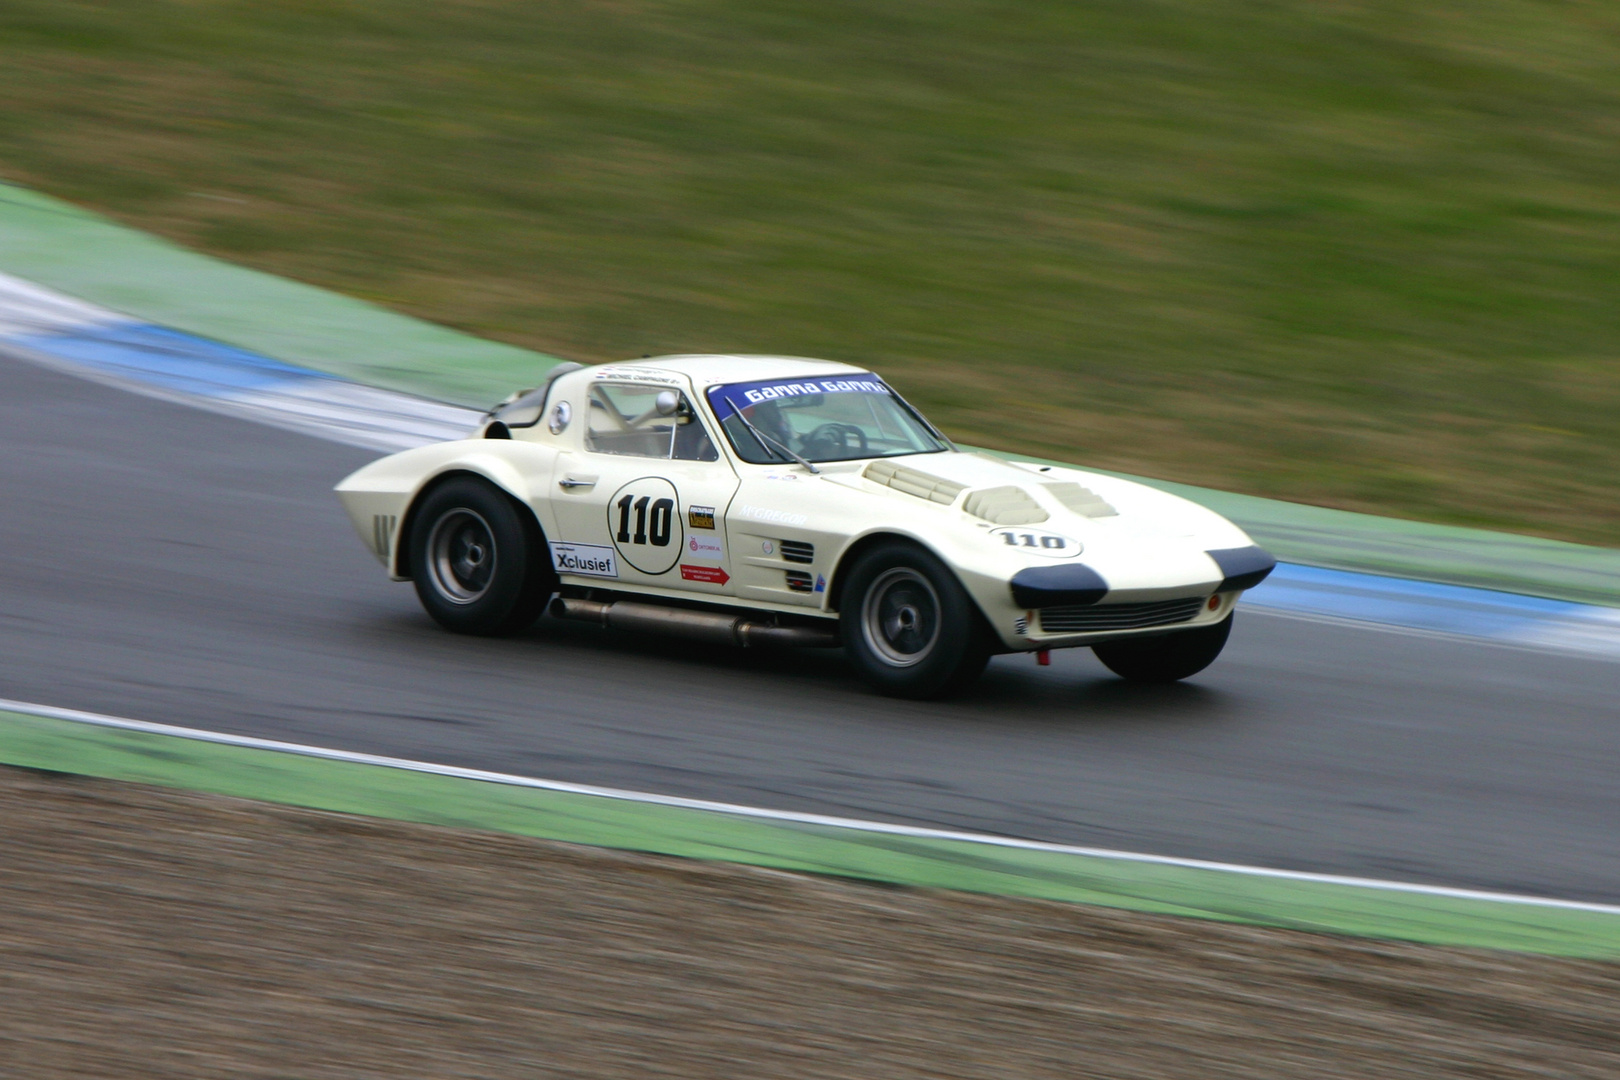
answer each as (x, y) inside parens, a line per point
(1505, 617)
(105, 344)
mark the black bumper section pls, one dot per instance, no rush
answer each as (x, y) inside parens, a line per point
(1048, 586)
(1244, 567)
(1078, 585)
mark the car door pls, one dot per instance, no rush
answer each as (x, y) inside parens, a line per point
(640, 494)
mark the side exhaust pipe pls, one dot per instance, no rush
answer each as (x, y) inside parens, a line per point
(711, 626)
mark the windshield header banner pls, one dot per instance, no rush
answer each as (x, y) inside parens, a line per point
(753, 393)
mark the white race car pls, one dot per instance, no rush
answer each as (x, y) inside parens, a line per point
(775, 500)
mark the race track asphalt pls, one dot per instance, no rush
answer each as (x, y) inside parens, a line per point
(168, 564)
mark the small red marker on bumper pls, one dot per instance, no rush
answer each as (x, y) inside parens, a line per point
(1043, 657)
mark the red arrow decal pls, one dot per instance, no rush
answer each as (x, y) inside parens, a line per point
(715, 575)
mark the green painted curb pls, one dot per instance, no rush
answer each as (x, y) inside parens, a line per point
(386, 792)
(61, 246)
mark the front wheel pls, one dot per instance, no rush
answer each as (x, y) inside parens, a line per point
(1165, 658)
(478, 564)
(909, 627)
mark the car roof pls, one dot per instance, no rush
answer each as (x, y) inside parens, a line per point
(708, 369)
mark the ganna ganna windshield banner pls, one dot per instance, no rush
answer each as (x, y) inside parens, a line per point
(753, 393)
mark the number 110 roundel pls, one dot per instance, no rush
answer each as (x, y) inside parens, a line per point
(645, 524)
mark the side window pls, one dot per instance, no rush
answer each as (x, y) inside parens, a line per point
(634, 420)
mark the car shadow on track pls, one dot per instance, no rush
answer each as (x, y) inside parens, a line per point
(1075, 689)
(1013, 692)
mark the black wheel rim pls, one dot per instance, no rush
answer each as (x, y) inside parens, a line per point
(461, 556)
(900, 617)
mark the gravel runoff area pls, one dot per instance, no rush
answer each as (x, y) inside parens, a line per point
(149, 932)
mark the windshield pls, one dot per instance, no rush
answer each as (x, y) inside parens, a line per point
(853, 416)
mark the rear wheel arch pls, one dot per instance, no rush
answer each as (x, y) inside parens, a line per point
(480, 561)
(402, 567)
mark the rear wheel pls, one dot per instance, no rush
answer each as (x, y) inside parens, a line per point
(478, 559)
(1165, 658)
(908, 626)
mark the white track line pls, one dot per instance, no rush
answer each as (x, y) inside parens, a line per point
(856, 824)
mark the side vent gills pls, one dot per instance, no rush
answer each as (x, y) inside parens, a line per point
(914, 482)
(797, 551)
(382, 533)
(800, 581)
(1082, 500)
(1004, 506)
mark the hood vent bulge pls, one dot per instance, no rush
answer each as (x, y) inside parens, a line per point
(1082, 500)
(1004, 506)
(914, 482)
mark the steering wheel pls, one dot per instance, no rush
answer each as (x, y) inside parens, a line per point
(835, 437)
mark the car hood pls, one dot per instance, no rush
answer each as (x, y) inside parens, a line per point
(1000, 492)
(1001, 513)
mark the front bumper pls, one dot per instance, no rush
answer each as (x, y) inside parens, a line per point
(1073, 605)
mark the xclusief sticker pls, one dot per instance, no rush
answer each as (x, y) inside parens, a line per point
(591, 560)
(644, 525)
(700, 517)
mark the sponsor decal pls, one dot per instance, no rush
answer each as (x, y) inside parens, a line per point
(591, 560)
(705, 547)
(765, 513)
(700, 517)
(754, 393)
(1027, 541)
(790, 477)
(637, 374)
(772, 391)
(713, 575)
(821, 583)
(644, 525)
(1020, 626)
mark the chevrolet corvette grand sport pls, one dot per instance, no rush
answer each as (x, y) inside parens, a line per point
(753, 500)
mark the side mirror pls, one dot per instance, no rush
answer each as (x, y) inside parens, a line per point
(667, 402)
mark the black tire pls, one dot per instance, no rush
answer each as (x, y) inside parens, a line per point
(1165, 658)
(478, 559)
(908, 626)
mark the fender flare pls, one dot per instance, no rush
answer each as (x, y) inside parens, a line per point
(494, 470)
(856, 547)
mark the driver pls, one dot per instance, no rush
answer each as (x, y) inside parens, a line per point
(767, 416)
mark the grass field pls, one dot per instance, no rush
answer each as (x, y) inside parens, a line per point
(1357, 254)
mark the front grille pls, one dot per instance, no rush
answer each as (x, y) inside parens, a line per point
(799, 581)
(797, 551)
(1101, 617)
